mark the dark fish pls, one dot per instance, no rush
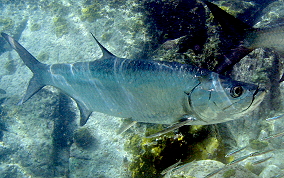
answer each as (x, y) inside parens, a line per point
(244, 38)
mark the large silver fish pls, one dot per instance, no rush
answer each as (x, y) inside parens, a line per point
(241, 39)
(144, 90)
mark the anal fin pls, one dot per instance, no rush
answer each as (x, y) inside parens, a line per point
(84, 113)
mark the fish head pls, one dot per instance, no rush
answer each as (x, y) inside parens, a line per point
(222, 99)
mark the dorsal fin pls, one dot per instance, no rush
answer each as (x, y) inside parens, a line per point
(233, 33)
(106, 53)
(228, 22)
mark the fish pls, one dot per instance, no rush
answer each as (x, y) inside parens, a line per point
(170, 168)
(214, 172)
(180, 168)
(278, 176)
(241, 39)
(258, 153)
(239, 160)
(146, 91)
(261, 161)
(235, 151)
(275, 118)
(272, 136)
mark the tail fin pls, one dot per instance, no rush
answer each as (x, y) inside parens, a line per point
(33, 64)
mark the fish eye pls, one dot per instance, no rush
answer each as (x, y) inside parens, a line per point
(236, 91)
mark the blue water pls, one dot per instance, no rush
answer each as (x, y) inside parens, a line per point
(42, 138)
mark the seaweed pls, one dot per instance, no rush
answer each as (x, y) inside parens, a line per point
(152, 155)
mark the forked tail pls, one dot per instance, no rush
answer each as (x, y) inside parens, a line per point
(33, 64)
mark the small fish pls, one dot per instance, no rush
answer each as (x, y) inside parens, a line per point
(238, 160)
(171, 128)
(261, 160)
(170, 168)
(214, 172)
(278, 176)
(235, 151)
(181, 167)
(257, 153)
(125, 127)
(275, 118)
(273, 136)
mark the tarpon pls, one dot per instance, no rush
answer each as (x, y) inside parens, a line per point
(144, 90)
(244, 38)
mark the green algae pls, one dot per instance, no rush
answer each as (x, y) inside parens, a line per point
(258, 145)
(6, 24)
(91, 13)
(56, 8)
(61, 26)
(106, 36)
(43, 56)
(229, 173)
(260, 75)
(152, 155)
(35, 27)
(254, 169)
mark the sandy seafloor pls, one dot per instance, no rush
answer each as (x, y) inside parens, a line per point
(37, 137)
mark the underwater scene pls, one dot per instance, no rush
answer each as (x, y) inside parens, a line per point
(142, 89)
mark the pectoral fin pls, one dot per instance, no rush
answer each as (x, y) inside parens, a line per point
(125, 126)
(183, 122)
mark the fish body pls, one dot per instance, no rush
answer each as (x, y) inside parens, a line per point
(144, 90)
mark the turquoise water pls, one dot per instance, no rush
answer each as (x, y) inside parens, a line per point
(42, 138)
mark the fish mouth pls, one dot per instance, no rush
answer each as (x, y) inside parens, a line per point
(257, 98)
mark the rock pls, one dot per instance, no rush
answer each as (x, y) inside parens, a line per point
(270, 171)
(202, 168)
